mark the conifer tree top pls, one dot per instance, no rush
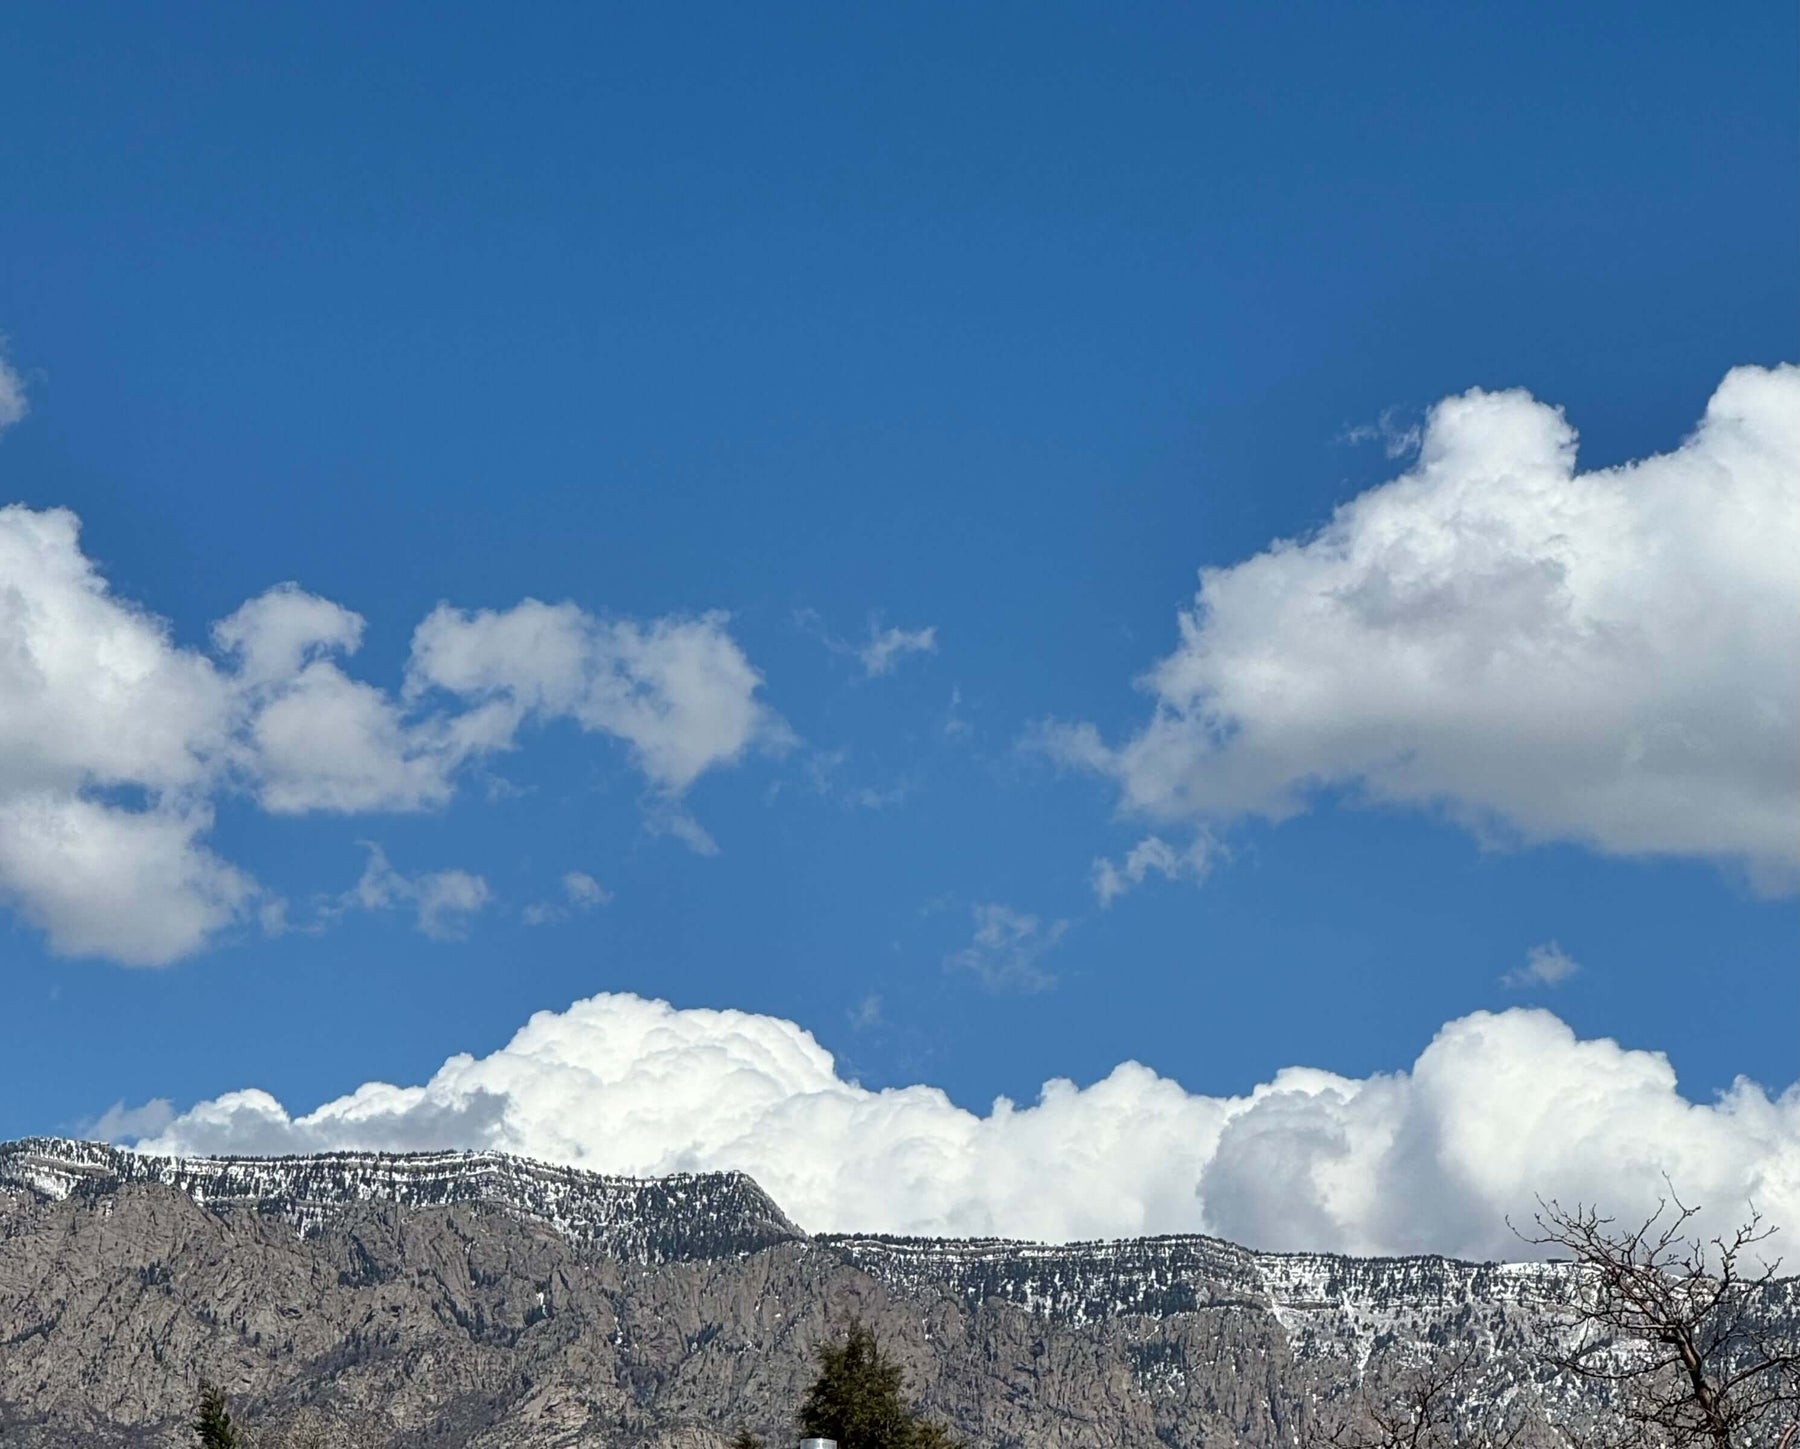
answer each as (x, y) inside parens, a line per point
(857, 1399)
(212, 1422)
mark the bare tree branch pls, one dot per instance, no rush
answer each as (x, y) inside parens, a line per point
(1428, 1406)
(1685, 1334)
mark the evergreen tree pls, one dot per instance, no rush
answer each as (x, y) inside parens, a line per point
(857, 1401)
(744, 1439)
(212, 1424)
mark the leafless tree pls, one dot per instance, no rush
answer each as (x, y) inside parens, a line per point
(1687, 1336)
(1426, 1406)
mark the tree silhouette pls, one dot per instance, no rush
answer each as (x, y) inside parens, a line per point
(212, 1423)
(857, 1400)
(1683, 1332)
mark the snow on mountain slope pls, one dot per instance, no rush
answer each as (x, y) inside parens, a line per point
(690, 1215)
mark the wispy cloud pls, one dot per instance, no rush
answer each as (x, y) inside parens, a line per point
(665, 817)
(1153, 856)
(119, 1122)
(1397, 438)
(825, 772)
(444, 902)
(13, 406)
(887, 648)
(956, 724)
(878, 654)
(1007, 948)
(1545, 965)
(580, 893)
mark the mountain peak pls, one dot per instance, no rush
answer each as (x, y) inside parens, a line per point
(663, 1219)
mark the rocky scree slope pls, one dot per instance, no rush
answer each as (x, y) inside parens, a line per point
(438, 1299)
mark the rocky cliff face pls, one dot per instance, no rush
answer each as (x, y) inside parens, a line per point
(478, 1299)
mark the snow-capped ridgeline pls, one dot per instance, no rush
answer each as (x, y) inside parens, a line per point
(1326, 1304)
(687, 1215)
(1075, 1283)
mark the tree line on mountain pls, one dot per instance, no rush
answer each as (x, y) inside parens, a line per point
(1678, 1335)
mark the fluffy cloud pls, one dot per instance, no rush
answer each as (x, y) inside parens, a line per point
(136, 886)
(109, 738)
(316, 739)
(116, 742)
(1605, 657)
(95, 693)
(679, 692)
(1497, 1108)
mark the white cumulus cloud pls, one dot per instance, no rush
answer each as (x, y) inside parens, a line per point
(1606, 657)
(678, 691)
(134, 885)
(317, 739)
(1498, 1107)
(117, 743)
(110, 739)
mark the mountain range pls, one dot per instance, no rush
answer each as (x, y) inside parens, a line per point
(480, 1299)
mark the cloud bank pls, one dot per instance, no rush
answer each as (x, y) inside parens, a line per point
(116, 742)
(1496, 1108)
(1606, 657)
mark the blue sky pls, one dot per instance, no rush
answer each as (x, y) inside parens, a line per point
(795, 325)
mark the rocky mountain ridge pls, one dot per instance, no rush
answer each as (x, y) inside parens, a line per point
(705, 1215)
(429, 1299)
(640, 1220)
